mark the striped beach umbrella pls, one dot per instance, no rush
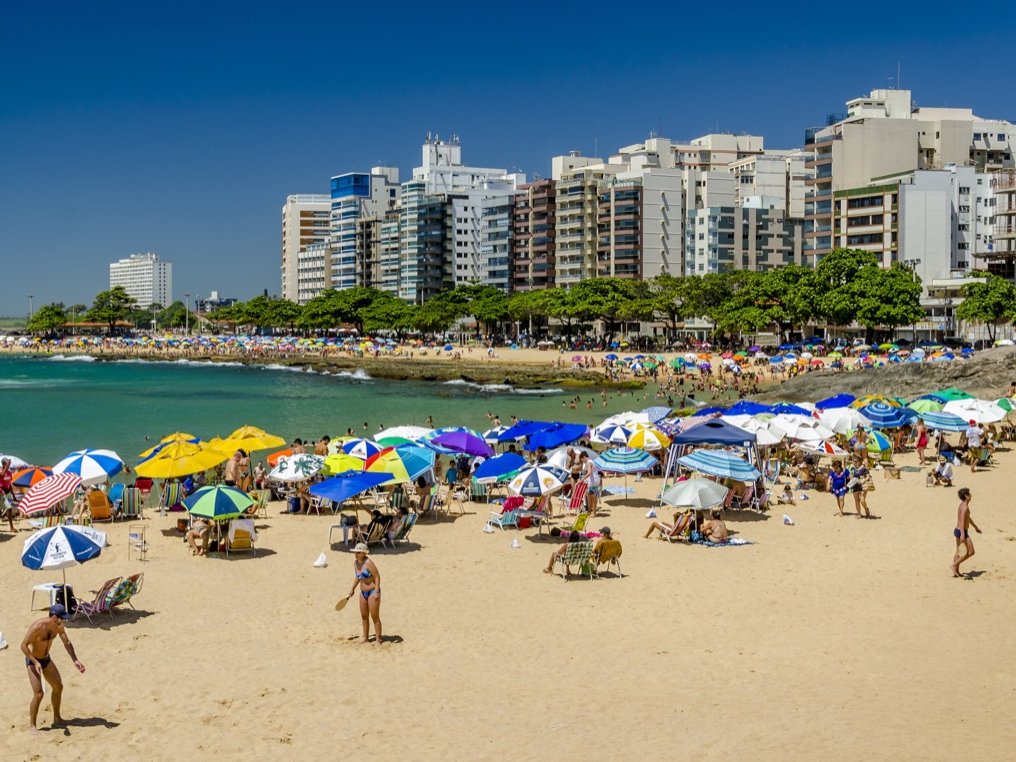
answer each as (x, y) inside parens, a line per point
(611, 433)
(408, 432)
(945, 422)
(885, 416)
(218, 503)
(45, 494)
(823, 448)
(28, 477)
(499, 468)
(878, 442)
(93, 466)
(870, 399)
(492, 435)
(361, 448)
(649, 440)
(297, 468)
(404, 463)
(535, 481)
(625, 460)
(721, 463)
(60, 547)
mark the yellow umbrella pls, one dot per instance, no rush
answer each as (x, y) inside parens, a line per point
(250, 439)
(179, 436)
(389, 462)
(649, 440)
(340, 461)
(180, 459)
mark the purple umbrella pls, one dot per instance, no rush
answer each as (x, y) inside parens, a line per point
(463, 441)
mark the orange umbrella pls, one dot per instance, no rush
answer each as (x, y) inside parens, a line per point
(275, 457)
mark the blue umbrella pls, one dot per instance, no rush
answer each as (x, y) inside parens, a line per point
(747, 407)
(625, 460)
(416, 458)
(522, 429)
(61, 546)
(883, 416)
(710, 411)
(721, 463)
(786, 407)
(611, 357)
(218, 502)
(559, 434)
(499, 467)
(612, 433)
(361, 448)
(93, 466)
(944, 422)
(657, 413)
(538, 480)
(838, 400)
(348, 484)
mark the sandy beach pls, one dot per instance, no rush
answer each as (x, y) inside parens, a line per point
(834, 638)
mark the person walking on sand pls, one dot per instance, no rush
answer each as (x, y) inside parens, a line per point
(368, 578)
(974, 435)
(922, 441)
(962, 532)
(36, 645)
(836, 484)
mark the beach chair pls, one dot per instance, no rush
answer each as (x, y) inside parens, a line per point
(374, 534)
(576, 554)
(132, 504)
(609, 554)
(241, 537)
(507, 519)
(426, 507)
(580, 523)
(680, 530)
(145, 486)
(126, 590)
(102, 601)
(448, 495)
(172, 494)
(402, 535)
(99, 507)
(314, 504)
(760, 501)
(744, 499)
(115, 495)
(259, 509)
(479, 493)
(576, 501)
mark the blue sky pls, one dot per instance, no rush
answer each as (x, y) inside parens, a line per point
(180, 128)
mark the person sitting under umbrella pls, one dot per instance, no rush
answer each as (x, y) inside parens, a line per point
(659, 526)
(715, 530)
(200, 530)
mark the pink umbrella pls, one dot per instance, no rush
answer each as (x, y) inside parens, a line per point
(45, 494)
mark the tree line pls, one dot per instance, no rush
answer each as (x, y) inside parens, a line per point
(847, 286)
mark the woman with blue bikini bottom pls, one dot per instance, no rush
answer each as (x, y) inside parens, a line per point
(368, 579)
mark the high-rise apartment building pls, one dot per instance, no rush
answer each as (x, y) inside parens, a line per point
(146, 279)
(724, 239)
(534, 215)
(356, 196)
(305, 221)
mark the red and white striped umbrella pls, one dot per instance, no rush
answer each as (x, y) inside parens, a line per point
(45, 494)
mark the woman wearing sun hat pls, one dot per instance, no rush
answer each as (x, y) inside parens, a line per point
(368, 578)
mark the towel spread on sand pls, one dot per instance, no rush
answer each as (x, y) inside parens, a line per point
(730, 541)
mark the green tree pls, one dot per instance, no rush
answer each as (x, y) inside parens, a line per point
(992, 302)
(836, 297)
(389, 313)
(489, 305)
(48, 319)
(606, 299)
(440, 312)
(174, 316)
(887, 297)
(111, 306)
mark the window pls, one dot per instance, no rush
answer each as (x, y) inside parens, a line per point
(977, 136)
(1001, 136)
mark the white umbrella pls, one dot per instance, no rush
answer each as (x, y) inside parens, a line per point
(843, 420)
(801, 428)
(16, 462)
(405, 432)
(559, 457)
(695, 493)
(981, 411)
(93, 466)
(297, 468)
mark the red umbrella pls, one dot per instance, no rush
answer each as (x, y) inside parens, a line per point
(28, 477)
(47, 493)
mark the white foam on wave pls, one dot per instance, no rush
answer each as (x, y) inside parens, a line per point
(359, 375)
(286, 368)
(499, 388)
(209, 363)
(538, 391)
(72, 358)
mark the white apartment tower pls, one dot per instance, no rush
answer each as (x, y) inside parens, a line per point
(145, 278)
(305, 221)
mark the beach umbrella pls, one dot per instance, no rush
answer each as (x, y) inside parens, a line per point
(178, 436)
(297, 468)
(93, 466)
(878, 442)
(870, 399)
(274, 458)
(535, 481)
(625, 460)
(656, 413)
(843, 420)
(523, 429)
(695, 493)
(765, 435)
(15, 461)
(559, 434)
(340, 461)
(942, 421)
(747, 407)
(925, 405)
(1008, 404)
(404, 463)
(801, 428)
(559, 457)
(60, 547)
(347, 484)
(952, 394)
(492, 435)
(26, 477)
(498, 468)
(180, 459)
(251, 439)
(885, 416)
(44, 494)
(218, 503)
(467, 442)
(649, 440)
(393, 441)
(835, 401)
(823, 448)
(409, 432)
(786, 408)
(361, 448)
(611, 433)
(610, 357)
(720, 463)
(981, 411)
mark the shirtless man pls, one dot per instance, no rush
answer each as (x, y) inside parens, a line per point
(232, 472)
(962, 532)
(715, 530)
(36, 645)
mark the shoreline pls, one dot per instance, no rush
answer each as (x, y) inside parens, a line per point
(520, 373)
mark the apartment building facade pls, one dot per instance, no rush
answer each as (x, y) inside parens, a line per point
(724, 239)
(355, 197)
(145, 277)
(534, 253)
(305, 221)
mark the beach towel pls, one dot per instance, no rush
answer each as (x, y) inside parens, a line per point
(246, 524)
(730, 542)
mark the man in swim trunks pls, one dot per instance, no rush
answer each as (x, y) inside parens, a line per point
(962, 532)
(36, 645)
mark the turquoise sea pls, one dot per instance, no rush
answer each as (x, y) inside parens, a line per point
(50, 406)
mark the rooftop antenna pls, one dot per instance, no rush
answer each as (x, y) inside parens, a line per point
(594, 146)
(898, 82)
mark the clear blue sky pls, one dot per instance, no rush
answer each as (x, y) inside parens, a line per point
(181, 127)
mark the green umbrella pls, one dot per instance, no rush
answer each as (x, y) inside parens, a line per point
(834, 355)
(650, 364)
(1006, 403)
(677, 362)
(661, 358)
(952, 393)
(218, 503)
(925, 406)
(393, 441)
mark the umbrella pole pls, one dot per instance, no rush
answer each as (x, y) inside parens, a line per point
(64, 588)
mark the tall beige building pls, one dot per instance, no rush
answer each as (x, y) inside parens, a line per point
(305, 221)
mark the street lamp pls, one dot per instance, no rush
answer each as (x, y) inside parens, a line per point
(186, 314)
(31, 312)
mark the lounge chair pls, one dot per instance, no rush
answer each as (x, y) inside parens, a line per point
(145, 486)
(115, 495)
(132, 504)
(408, 522)
(241, 537)
(576, 554)
(126, 590)
(259, 508)
(172, 494)
(427, 506)
(681, 529)
(374, 533)
(99, 507)
(580, 523)
(509, 518)
(609, 554)
(576, 501)
(102, 601)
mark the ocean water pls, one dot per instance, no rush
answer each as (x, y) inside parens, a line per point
(50, 406)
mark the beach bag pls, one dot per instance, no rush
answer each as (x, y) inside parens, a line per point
(72, 601)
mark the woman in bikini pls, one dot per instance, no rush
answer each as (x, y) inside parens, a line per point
(368, 578)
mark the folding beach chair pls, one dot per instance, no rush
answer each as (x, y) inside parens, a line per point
(680, 530)
(132, 504)
(145, 485)
(508, 518)
(259, 509)
(172, 494)
(374, 533)
(125, 591)
(102, 601)
(609, 554)
(576, 554)
(408, 522)
(99, 507)
(576, 501)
